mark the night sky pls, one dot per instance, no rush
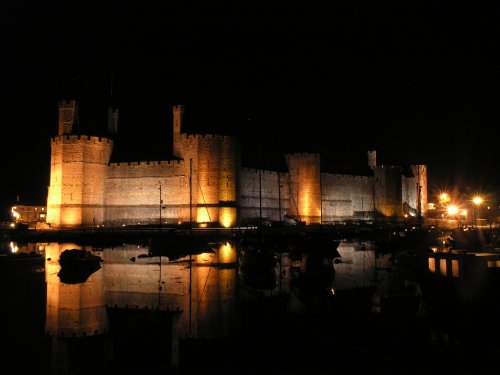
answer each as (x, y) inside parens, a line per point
(417, 82)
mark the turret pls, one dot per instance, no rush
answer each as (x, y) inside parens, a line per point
(178, 112)
(372, 158)
(113, 121)
(67, 116)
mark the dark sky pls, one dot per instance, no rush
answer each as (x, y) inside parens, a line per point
(418, 82)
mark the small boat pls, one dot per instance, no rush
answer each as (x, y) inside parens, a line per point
(77, 265)
(257, 264)
(314, 274)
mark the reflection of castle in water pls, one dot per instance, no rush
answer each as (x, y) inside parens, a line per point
(200, 299)
(184, 304)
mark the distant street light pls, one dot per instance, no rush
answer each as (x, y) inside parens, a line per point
(452, 210)
(477, 200)
(444, 198)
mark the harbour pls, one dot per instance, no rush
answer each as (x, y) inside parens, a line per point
(200, 311)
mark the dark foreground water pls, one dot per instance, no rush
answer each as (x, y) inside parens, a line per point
(139, 314)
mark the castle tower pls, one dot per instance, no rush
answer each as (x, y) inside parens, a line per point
(67, 116)
(388, 190)
(213, 164)
(372, 158)
(229, 165)
(420, 175)
(305, 186)
(178, 112)
(78, 172)
(113, 121)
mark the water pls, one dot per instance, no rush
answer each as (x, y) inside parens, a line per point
(139, 313)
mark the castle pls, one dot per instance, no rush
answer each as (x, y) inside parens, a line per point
(206, 183)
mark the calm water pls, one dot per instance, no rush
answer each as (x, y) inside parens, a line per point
(303, 315)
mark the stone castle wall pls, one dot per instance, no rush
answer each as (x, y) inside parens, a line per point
(420, 173)
(263, 191)
(388, 191)
(412, 187)
(347, 197)
(133, 189)
(133, 193)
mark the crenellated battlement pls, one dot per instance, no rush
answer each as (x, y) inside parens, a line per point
(347, 176)
(66, 102)
(304, 155)
(209, 136)
(386, 166)
(257, 171)
(165, 163)
(80, 138)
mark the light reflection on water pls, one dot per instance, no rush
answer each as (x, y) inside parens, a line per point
(204, 296)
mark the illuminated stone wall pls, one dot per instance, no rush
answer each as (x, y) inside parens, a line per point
(78, 175)
(305, 186)
(410, 190)
(388, 191)
(215, 176)
(133, 193)
(347, 197)
(272, 186)
(420, 173)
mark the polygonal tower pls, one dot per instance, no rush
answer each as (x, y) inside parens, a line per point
(420, 175)
(305, 187)
(78, 171)
(212, 165)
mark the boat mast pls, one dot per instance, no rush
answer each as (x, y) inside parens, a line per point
(260, 199)
(320, 197)
(279, 199)
(190, 230)
(190, 194)
(419, 197)
(161, 202)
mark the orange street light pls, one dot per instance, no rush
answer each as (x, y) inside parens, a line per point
(452, 210)
(477, 200)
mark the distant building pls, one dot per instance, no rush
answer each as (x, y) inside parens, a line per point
(28, 214)
(204, 182)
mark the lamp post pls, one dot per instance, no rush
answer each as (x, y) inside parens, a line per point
(477, 200)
